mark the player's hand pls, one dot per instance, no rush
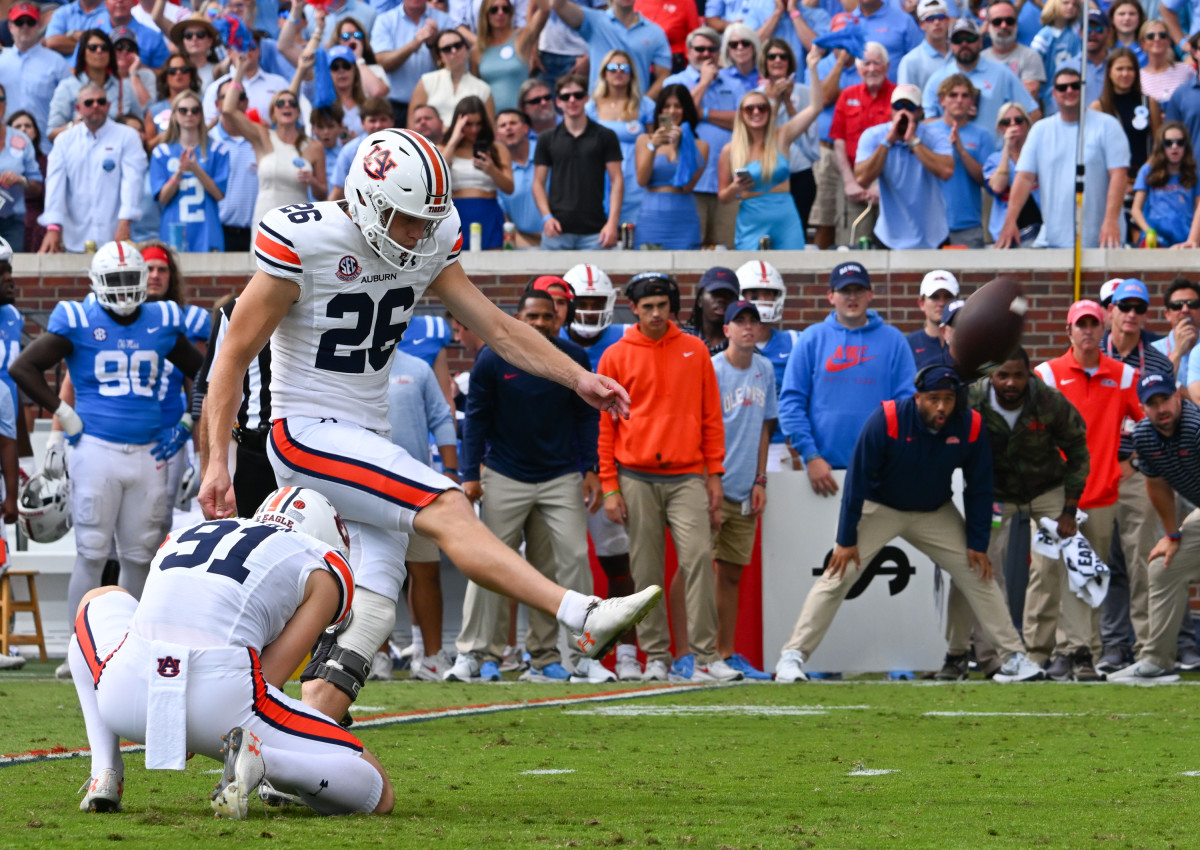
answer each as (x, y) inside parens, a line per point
(473, 490)
(1067, 527)
(603, 393)
(171, 440)
(980, 562)
(1165, 548)
(593, 493)
(54, 463)
(820, 475)
(841, 557)
(551, 227)
(614, 508)
(216, 493)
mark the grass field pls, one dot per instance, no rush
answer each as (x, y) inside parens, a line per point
(969, 765)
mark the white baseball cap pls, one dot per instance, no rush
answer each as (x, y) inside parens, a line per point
(931, 7)
(938, 280)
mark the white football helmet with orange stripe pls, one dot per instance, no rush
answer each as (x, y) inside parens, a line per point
(398, 171)
(307, 511)
(760, 275)
(592, 283)
(119, 277)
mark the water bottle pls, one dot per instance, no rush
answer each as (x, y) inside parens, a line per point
(510, 236)
(177, 236)
(476, 243)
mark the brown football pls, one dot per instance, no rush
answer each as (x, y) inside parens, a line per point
(987, 329)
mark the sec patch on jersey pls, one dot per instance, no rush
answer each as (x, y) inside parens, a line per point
(987, 329)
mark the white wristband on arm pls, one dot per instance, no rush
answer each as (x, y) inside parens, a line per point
(69, 419)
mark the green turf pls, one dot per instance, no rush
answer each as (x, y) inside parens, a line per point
(1107, 773)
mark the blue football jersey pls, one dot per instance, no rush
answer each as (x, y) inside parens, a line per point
(191, 205)
(12, 323)
(425, 337)
(117, 368)
(777, 350)
(607, 337)
(197, 326)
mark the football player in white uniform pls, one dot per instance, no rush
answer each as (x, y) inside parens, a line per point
(258, 594)
(335, 290)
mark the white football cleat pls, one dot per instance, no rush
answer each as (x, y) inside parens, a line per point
(608, 619)
(103, 793)
(244, 772)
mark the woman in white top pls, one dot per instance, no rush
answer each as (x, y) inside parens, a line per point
(289, 163)
(479, 168)
(1161, 74)
(444, 88)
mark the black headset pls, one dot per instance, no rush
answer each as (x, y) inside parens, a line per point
(653, 283)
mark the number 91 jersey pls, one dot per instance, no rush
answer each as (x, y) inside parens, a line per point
(332, 352)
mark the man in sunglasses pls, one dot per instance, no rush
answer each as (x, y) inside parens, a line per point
(924, 60)
(996, 84)
(1021, 59)
(1048, 162)
(1182, 302)
(30, 72)
(620, 28)
(536, 100)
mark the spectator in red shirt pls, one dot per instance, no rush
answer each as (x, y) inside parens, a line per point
(859, 107)
(677, 18)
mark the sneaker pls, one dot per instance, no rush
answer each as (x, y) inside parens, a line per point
(12, 662)
(656, 671)
(1059, 669)
(1019, 668)
(592, 671)
(512, 659)
(1143, 672)
(381, 668)
(400, 660)
(790, 667)
(738, 662)
(628, 669)
(608, 619)
(1081, 667)
(465, 668)
(1189, 659)
(956, 668)
(553, 672)
(63, 672)
(716, 671)
(103, 793)
(277, 799)
(489, 671)
(682, 669)
(432, 668)
(244, 772)
(1113, 658)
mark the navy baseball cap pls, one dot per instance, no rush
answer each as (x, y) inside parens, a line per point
(950, 310)
(718, 278)
(849, 274)
(738, 307)
(940, 377)
(1131, 287)
(1154, 383)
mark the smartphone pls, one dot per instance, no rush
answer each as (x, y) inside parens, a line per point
(740, 173)
(667, 122)
(482, 149)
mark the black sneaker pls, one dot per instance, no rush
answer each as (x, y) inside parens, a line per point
(1113, 658)
(1060, 669)
(954, 669)
(1082, 669)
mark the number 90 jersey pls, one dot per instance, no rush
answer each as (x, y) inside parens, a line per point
(332, 352)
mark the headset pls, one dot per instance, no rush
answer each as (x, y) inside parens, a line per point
(653, 283)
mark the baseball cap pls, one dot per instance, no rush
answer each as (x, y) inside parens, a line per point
(24, 10)
(931, 7)
(938, 280)
(849, 274)
(718, 278)
(1085, 308)
(964, 25)
(544, 283)
(342, 52)
(1154, 383)
(1131, 287)
(940, 377)
(949, 310)
(842, 20)
(123, 34)
(1097, 17)
(907, 92)
(1106, 291)
(738, 307)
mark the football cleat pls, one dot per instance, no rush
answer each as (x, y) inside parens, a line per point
(608, 619)
(103, 793)
(243, 774)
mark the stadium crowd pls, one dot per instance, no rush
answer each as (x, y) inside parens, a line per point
(584, 125)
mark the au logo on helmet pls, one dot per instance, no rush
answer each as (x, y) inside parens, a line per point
(378, 163)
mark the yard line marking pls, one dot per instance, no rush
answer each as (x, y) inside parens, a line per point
(547, 772)
(751, 710)
(868, 771)
(1001, 714)
(1190, 773)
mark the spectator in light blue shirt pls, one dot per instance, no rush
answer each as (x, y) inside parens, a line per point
(798, 30)
(972, 146)
(928, 57)
(887, 23)
(399, 38)
(71, 21)
(620, 28)
(236, 209)
(739, 58)
(19, 172)
(513, 132)
(28, 71)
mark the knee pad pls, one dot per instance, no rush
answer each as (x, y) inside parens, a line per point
(344, 669)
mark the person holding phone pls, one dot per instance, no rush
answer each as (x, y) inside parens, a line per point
(670, 160)
(479, 168)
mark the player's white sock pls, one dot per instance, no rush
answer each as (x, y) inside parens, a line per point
(329, 784)
(627, 650)
(418, 642)
(105, 746)
(573, 610)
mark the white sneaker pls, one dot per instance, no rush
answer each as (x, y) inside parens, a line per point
(656, 671)
(12, 662)
(244, 772)
(1144, 672)
(466, 668)
(716, 671)
(1019, 668)
(590, 670)
(790, 667)
(628, 669)
(608, 619)
(103, 793)
(433, 668)
(381, 668)
(63, 672)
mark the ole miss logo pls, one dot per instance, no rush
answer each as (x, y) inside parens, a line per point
(378, 163)
(168, 667)
(348, 268)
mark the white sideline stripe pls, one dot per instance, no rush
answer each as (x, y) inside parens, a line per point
(1190, 773)
(547, 772)
(869, 771)
(751, 710)
(411, 717)
(1002, 714)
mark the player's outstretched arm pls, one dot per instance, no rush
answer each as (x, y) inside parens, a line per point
(521, 345)
(261, 307)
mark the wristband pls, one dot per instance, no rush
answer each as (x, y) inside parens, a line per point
(616, 492)
(1175, 537)
(450, 470)
(235, 85)
(650, 146)
(795, 13)
(547, 217)
(810, 458)
(186, 422)
(760, 480)
(705, 116)
(57, 228)
(68, 419)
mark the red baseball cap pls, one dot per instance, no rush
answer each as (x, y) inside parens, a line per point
(548, 281)
(1085, 308)
(24, 10)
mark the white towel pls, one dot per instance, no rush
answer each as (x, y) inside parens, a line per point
(166, 707)
(1087, 575)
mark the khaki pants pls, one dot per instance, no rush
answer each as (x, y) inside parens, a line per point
(1138, 529)
(718, 222)
(1056, 620)
(942, 536)
(681, 505)
(553, 519)
(960, 623)
(1168, 594)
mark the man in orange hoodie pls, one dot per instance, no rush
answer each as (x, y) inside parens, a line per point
(662, 467)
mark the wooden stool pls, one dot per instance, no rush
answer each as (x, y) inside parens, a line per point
(9, 607)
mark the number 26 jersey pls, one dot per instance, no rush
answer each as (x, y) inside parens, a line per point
(332, 352)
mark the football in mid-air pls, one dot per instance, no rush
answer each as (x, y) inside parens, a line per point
(987, 328)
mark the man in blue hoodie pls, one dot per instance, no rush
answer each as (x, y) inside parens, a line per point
(838, 374)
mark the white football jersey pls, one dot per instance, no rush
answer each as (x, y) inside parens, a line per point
(232, 582)
(332, 353)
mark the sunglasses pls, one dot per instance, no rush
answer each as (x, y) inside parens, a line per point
(357, 35)
(1003, 22)
(1155, 36)
(126, 47)
(623, 67)
(179, 70)
(1064, 87)
(25, 22)
(1173, 143)
(906, 105)
(1008, 122)
(753, 108)
(189, 110)
(1138, 307)
(451, 48)
(94, 101)
(535, 101)
(97, 47)
(1097, 29)
(702, 49)
(777, 57)
(340, 65)
(287, 103)
(195, 35)
(1191, 304)
(740, 43)
(964, 38)
(501, 9)
(568, 96)
(934, 18)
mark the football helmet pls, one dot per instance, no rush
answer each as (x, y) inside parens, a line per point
(398, 171)
(759, 274)
(119, 277)
(44, 508)
(590, 282)
(6, 251)
(307, 511)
